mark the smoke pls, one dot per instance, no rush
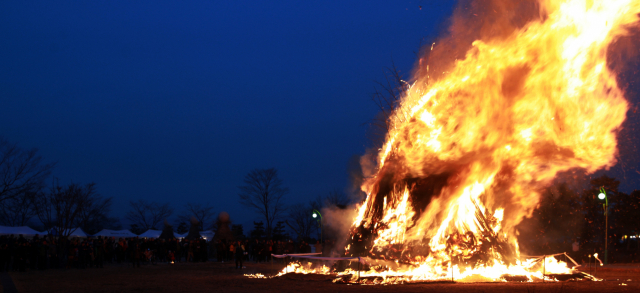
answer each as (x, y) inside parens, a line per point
(356, 177)
(337, 222)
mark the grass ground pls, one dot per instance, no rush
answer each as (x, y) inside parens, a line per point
(223, 277)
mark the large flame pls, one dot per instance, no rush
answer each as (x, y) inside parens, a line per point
(466, 154)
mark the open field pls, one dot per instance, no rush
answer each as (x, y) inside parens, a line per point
(223, 277)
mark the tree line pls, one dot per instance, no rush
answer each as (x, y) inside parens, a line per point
(264, 192)
(27, 198)
(31, 196)
(566, 215)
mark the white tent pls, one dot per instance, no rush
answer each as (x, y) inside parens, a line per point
(207, 235)
(115, 233)
(150, 234)
(75, 232)
(24, 231)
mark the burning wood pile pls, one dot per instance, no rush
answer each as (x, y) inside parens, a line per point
(467, 152)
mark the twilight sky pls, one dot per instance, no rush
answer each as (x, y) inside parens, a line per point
(175, 101)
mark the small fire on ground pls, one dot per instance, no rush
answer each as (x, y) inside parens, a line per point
(467, 153)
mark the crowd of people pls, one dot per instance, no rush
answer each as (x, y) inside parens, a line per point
(20, 254)
(47, 252)
(260, 250)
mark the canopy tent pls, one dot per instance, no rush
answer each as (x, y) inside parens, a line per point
(115, 233)
(207, 235)
(151, 234)
(23, 230)
(72, 232)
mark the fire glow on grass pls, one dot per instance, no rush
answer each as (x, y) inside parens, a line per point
(495, 129)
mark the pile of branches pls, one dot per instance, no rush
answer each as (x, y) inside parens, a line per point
(471, 250)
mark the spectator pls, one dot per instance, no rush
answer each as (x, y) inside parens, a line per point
(239, 251)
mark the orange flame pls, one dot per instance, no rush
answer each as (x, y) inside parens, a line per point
(493, 130)
(500, 125)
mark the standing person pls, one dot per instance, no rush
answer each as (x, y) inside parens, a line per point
(232, 250)
(191, 247)
(178, 250)
(120, 250)
(219, 250)
(99, 252)
(4, 256)
(135, 253)
(197, 250)
(205, 249)
(54, 261)
(260, 251)
(239, 254)
(43, 248)
(108, 249)
(318, 246)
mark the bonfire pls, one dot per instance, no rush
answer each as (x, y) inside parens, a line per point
(468, 152)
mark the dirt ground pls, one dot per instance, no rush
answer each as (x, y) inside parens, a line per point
(223, 277)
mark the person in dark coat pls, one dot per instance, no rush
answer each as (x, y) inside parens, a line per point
(4, 256)
(99, 252)
(135, 253)
(239, 254)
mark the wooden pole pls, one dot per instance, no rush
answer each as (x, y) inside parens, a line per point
(544, 267)
(358, 269)
(451, 264)
(606, 229)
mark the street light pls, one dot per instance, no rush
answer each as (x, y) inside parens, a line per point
(605, 206)
(315, 215)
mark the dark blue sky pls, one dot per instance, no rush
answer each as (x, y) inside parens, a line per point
(175, 101)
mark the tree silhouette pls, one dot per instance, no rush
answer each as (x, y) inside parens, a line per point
(21, 171)
(147, 215)
(263, 192)
(66, 208)
(202, 212)
(258, 230)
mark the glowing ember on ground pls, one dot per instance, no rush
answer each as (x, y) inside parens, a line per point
(466, 154)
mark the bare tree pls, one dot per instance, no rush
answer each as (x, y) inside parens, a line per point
(336, 198)
(147, 215)
(202, 212)
(17, 211)
(301, 220)
(21, 171)
(96, 215)
(63, 209)
(263, 192)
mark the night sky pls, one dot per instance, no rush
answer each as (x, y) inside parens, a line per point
(175, 101)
